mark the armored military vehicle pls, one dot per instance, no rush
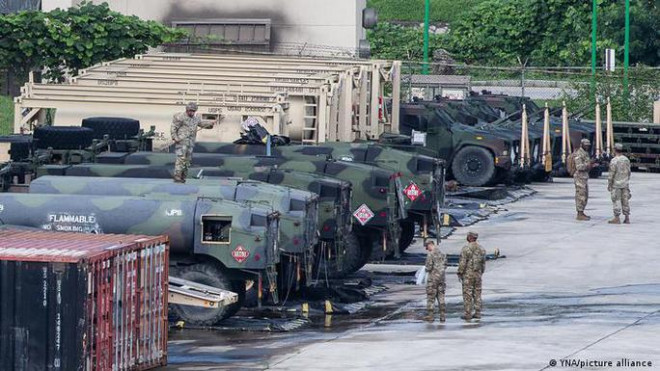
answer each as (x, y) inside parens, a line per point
(214, 242)
(475, 157)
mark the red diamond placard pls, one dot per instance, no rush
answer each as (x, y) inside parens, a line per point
(240, 254)
(412, 191)
(363, 214)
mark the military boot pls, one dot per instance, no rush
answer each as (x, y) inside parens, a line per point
(477, 315)
(626, 220)
(582, 216)
(615, 220)
(466, 317)
(429, 318)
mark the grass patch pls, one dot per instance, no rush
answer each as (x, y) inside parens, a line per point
(6, 114)
(413, 10)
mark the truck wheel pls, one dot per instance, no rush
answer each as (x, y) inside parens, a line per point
(407, 234)
(206, 274)
(62, 137)
(351, 263)
(114, 127)
(473, 166)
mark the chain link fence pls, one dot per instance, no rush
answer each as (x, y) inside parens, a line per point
(574, 85)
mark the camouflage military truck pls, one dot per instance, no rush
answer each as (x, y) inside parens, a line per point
(475, 157)
(340, 252)
(422, 176)
(214, 242)
(377, 204)
(298, 209)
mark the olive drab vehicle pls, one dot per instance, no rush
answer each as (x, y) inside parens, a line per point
(474, 157)
(214, 242)
(377, 204)
(298, 209)
(421, 176)
(335, 220)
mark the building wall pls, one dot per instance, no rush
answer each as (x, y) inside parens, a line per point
(334, 26)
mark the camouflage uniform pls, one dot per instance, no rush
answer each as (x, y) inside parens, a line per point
(184, 133)
(471, 266)
(618, 183)
(436, 264)
(581, 179)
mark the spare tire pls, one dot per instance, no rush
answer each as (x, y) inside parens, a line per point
(113, 127)
(62, 137)
(473, 166)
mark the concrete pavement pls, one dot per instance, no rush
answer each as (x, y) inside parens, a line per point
(568, 291)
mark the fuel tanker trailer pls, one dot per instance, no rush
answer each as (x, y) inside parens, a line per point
(377, 202)
(298, 209)
(341, 252)
(422, 176)
(214, 242)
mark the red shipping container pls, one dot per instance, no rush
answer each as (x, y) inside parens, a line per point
(73, 301)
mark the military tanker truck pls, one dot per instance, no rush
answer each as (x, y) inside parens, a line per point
(339, 244)
(377, 204)
(422, 176)
(214, 242)
(298, 210)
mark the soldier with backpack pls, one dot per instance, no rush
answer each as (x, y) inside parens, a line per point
(579, 165)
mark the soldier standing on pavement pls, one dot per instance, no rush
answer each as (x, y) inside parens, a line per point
(583, 166)
(471, 267)
(184, 132)
(618, 181)
(436, 264)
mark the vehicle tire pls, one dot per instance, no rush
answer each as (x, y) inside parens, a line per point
(407, 234)
(473, 166)
(114, 127)
(207, 274)
(62, 137)
(351, 263)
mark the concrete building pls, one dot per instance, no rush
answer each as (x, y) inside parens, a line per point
(300, 27)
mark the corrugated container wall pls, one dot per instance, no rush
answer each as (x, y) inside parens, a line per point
(82, 302)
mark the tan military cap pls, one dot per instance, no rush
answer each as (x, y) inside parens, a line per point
(585, 141)
(191, 106)
(618, 147)
(473, 234)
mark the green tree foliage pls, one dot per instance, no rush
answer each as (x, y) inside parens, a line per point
(413, 10)
(67, 40)
(391, 41)
(553, 32)
(636, 107)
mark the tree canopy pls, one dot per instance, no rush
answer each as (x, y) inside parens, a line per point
(68, 40)
(554, 32)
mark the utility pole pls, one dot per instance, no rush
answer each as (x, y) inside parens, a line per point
(626, 51)
(427, 11)
(594, 25)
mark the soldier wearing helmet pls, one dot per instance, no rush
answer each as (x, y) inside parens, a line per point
(184, 133)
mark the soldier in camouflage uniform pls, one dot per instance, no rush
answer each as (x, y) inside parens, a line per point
(583, 166)
(618, 182)
(184, 132)
(471, 267)
(436, 264)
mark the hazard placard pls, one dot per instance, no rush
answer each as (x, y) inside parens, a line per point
(412, 191)
(240, 254)
(363, 214)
